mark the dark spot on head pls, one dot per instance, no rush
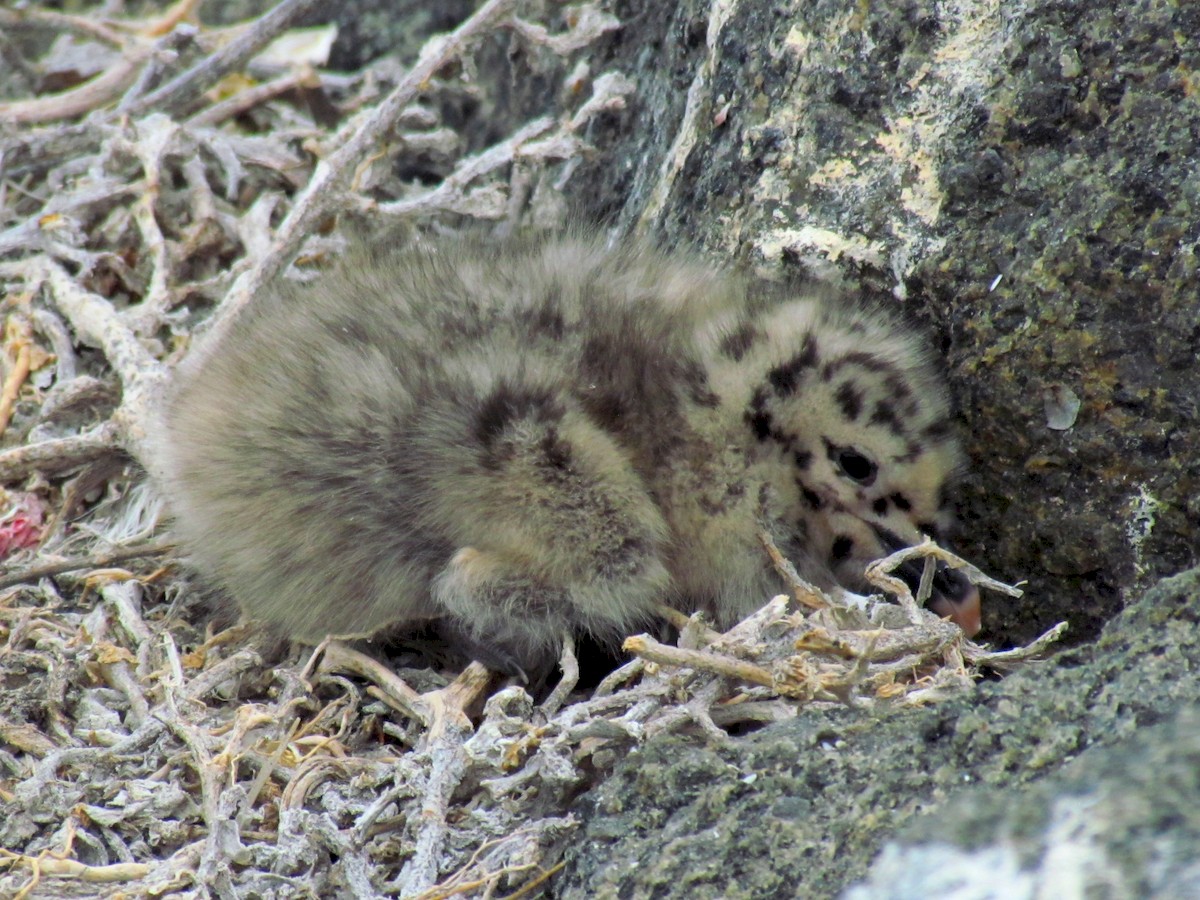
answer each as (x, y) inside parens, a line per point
(899, 390)
(885, 414)
(786, 377)
(901, 502)
(858, 358)
(737, 343)
(811, 497)
(803, 459)
(880, 506)
(757, 416)
(850, 399)
(762, 423)
(842, 547)
(938, 430)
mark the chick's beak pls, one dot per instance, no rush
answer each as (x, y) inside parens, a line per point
(962, 607)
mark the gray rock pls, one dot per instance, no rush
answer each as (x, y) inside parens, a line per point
(1119, 822)
(801, 808)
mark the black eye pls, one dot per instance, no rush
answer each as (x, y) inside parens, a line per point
(854, 465)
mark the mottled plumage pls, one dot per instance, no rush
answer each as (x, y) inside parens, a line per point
(539, 437)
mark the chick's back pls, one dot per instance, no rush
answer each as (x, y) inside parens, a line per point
(460, 431)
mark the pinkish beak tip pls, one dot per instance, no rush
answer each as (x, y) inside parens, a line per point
(967, 614)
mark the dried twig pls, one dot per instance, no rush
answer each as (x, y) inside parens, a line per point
(803, 592)
(13, 381)
(60, 454)
(98, 561)
(186, 87)
(332, 176)
(338, 657)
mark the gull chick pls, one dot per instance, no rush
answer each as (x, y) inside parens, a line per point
(540, 437)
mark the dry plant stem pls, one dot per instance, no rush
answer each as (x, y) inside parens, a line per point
(1007, 659)
(749, 630)
(449, 704)
(211, 679)
(177, 14)
(266, 768)
(308, 775)
(570, 677)
(100, 561)
(100, 91)
(123, 599)
(467, 171)
(678, 620)
(614, 680)
(325, 192)
(447, 765)
(68, 868)
(200, 760)
(144, 379)
(804, 593)
(60, 454)
(154, 136)
(340, 658)
(56, 332)
(29, 235)
(47, 770)
(12, 384)
(762, 712)
(251, 97)
(188, 86)
(24, 75)
(928, 638)
(13, 19)
(649, 649)
(698, 711)
(928, 548)
(162, 54)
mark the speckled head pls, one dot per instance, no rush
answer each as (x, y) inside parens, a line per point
(851, 403)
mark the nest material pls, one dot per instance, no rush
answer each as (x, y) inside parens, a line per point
(140, 754)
